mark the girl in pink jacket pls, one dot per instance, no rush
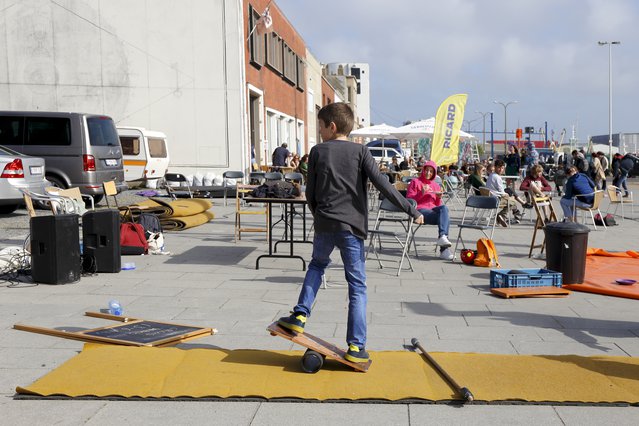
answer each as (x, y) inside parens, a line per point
(428, 195)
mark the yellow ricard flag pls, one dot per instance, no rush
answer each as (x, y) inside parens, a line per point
(448, 122)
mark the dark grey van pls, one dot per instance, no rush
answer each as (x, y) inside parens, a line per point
(80, 150)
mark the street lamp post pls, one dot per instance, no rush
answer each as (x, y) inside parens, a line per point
(483, 133)
(609, 43)
(505, 105)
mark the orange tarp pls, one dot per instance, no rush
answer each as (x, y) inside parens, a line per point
(603, 268)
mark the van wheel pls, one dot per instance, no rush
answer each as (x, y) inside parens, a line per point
(43, 205)
(96, 200)
(8, 209)
(58, 183)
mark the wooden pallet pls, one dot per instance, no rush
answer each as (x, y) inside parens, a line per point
(547, 291)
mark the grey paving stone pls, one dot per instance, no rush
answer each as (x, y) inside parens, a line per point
(483, 415)
(49, 412)
(159, 412)
(330, 414)
(621, 416)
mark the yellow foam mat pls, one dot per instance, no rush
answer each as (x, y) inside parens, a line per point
(104, 371)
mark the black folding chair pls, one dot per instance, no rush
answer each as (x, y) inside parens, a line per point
(231, 174)
(480, 214)
(403, 236)
(182, 182)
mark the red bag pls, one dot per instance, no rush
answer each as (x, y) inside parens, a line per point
(132, 239)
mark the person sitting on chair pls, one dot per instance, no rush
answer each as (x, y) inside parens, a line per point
(476, 179)
(535, 183)
(578, 193)
(427, 192)
(496, 186)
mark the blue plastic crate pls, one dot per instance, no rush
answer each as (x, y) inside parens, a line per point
(500, 278)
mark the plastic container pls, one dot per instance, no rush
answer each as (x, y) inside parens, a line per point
(508, 278)
(566, 246)
(115, 308)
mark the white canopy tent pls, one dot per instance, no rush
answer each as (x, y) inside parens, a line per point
(423, 129)
(378, 131)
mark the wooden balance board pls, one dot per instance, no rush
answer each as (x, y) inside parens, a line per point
(317, 350)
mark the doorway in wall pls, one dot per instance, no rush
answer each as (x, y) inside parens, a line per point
(254, 131)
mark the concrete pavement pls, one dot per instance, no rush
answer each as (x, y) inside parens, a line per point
(211, 281)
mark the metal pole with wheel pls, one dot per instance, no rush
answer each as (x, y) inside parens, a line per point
(463, 391)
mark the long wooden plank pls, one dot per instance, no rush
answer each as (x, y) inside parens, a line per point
(315, 343)
(93, 335)
(530, 292)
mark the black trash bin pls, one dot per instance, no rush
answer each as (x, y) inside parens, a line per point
(566, 246)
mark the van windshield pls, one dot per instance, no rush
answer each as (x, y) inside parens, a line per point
(102, 132)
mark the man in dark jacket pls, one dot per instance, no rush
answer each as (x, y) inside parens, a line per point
(280, 155)
(336, 191)
(578, 192)
(623, 168)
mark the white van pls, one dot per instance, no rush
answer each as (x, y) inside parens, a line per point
(385, 154)
(145, 154)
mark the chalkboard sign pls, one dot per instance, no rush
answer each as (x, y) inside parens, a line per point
(143, 332)
(132, 332)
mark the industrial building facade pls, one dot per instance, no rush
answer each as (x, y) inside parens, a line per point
(198, 70)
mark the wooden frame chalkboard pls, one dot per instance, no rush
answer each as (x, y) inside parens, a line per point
(131, 332)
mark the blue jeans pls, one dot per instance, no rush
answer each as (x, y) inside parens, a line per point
(437, 216)
(566, 206)
(620, 182)
(353, 255)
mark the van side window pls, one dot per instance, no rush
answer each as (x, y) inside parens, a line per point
(377, 152)
(130, 145)
(11, 130)
(48, 131)
(157, 148)
(102, 132)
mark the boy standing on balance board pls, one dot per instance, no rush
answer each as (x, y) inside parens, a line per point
(336, 191)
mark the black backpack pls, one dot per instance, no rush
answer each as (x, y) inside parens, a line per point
(150, 223)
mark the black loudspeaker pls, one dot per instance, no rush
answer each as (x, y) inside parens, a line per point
(101, 240)
(55, 249)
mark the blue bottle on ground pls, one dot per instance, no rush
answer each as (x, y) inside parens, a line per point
(115, 308)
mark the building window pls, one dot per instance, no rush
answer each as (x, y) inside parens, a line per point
(256, 41)
(290, 63)
(274, 52)
(301, 81)
(355, 72)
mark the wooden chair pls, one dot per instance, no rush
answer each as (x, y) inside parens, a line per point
(545, 214)
(56, 203)
(242, 209)
(614, 195)
(598, 197)
(237, 176)
(503, 202)
(110, 191)
(77, 202)
(28, 203)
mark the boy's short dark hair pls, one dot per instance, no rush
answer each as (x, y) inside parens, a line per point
(499, 163)
(340, 114)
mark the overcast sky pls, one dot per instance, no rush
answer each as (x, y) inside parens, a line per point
(541, 53)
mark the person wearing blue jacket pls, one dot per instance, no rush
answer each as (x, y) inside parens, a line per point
(578, 192)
